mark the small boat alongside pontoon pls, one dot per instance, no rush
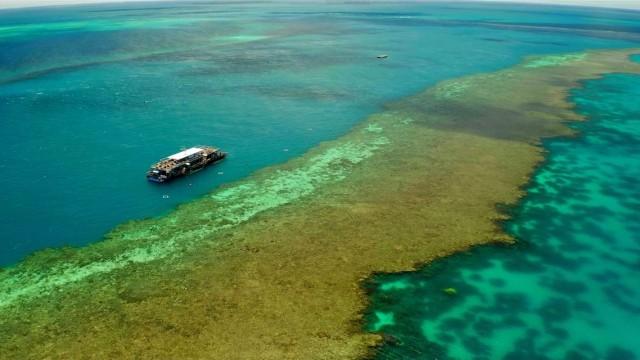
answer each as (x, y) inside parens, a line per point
(184, 163)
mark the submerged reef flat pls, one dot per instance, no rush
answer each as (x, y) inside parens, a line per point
(270, 267)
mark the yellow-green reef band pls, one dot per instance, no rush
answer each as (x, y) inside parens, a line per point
(270, 267)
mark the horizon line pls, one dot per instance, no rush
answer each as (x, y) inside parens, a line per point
(602, 4)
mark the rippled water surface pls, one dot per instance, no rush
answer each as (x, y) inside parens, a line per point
(570, 288)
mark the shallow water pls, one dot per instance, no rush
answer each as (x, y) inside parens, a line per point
(569, 288)
(91, 95)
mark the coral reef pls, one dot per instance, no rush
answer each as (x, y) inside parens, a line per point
(270, 267)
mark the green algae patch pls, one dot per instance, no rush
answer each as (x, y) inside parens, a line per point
(450, 291)
(384, 319)
(453, 89)
(153, 240)
(395, 285)
(270, 267)
(555, 60)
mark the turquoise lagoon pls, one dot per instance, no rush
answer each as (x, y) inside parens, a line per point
(570, 287)
(91, 95)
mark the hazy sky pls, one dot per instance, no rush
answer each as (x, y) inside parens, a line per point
(629, 4)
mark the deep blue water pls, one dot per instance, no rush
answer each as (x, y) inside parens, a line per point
(91, 95)
(570, 288)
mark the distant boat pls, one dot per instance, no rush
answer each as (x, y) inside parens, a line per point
(382, 56)
(183, 163)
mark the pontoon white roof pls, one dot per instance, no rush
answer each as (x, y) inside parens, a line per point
(185, 153)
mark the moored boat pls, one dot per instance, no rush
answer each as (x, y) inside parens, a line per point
(183, 163)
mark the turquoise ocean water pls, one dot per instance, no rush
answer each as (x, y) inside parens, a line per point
(91, 95)
(570, 288)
